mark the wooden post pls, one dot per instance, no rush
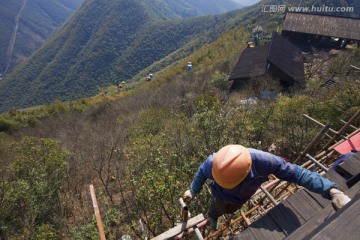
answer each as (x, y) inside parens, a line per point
(97, 213)
(247, 221)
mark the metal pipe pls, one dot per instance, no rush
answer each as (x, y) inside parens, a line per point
(317, 163)
(185, 215)
(198, 233)
(279, 185)
(269, 196)
(184, 210)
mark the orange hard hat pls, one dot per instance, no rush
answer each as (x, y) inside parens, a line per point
(231, 165)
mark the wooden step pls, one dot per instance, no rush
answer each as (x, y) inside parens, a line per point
(344, 224)
(180, 228)
(321, 217)
(350, 167)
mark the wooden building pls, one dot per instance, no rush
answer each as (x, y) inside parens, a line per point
(320, 31)
(280, 59)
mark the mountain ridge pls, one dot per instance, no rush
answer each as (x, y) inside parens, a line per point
(87, 54)
(37, 22)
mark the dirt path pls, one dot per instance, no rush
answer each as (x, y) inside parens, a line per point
(10, 49)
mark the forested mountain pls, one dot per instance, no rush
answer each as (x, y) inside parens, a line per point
(37, 19)
(105, 41)
(111, 41)
(140, 146)
(246, 2)
(32, 21)
(190, 8)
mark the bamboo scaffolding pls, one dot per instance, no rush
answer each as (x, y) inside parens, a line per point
(247, 221)
(352, 126)
(336, 144)
(317, 163)
(340, 132)
(270, 189)
(313, 142)
(303, 154)
(214, 234)
(316, 139)
(278, 184)
(319, 123)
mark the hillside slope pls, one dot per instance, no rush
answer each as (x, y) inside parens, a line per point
(26, 24)
(37, 20)
(104, 42)
(190, 8)
(140, 147)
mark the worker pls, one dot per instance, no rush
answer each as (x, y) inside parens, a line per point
(237, 172)
(149, 76)
(342, 158)
(189, 66)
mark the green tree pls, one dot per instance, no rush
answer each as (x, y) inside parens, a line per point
(32, 177)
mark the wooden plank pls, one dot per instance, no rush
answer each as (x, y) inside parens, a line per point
(286, 217)
(346, 170)
(180, 228)
(352, 181)
(305, 205)
(267, 228)
(344, 224)
(247, 234)
(338, 179)
(350, 166)
(314, 222)
(357, 156)
(323, 202)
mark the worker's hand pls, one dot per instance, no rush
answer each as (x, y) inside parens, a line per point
(338, 198)
(187, 196)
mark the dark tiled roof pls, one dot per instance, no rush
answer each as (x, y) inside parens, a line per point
(332, 26)
(281, 53)
(251, 63)
(287, 57)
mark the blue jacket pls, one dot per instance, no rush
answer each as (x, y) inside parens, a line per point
(263, 164)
